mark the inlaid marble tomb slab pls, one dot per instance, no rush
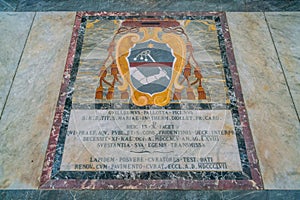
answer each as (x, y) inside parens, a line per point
(151, 101)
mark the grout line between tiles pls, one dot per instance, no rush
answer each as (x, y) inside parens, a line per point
(13, 79)
(284, 75)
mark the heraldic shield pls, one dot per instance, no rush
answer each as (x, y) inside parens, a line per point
(150, 66)
(150, 62)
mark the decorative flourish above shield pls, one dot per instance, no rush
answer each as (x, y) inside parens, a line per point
(150, 56)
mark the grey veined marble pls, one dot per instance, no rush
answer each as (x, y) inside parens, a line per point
(8, 5)
(285, 30)
(27, 118)
(14, 31)
(273, 120)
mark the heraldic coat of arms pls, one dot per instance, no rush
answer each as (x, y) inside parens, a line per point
(150, 57)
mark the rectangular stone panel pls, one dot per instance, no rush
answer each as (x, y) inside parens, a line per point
(288, 47)
(273, 119)
(151, 102)
(27, 116)
(151, 140)
(14, 31)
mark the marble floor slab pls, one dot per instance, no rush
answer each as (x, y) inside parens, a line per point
(151, 5)
(273, 119)
(143, 140)
(8, 5)
(14, 31)
(160, 5)
(271, 5)
(149, 194)
(269, 83)
(28, 114)
(285, 32)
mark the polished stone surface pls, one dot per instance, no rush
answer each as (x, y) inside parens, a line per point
(28, 115)
(8, 5)
(285, 31)
(271, 111)
(271, 5)
(273, 120)
(160, 5)
(14, 31)
(149, 194)
(124, 143)
(151, 5)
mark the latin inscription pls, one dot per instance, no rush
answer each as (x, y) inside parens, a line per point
(151, 140)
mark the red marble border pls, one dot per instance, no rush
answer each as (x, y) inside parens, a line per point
(50, 153)
(244, 120)
(47, 183)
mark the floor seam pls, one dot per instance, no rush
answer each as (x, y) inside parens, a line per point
(280, 63)
(19, 61)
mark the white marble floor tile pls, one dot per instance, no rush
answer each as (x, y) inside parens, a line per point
(272, 116)
(14, 28)
(27, 118)
(285, 30)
